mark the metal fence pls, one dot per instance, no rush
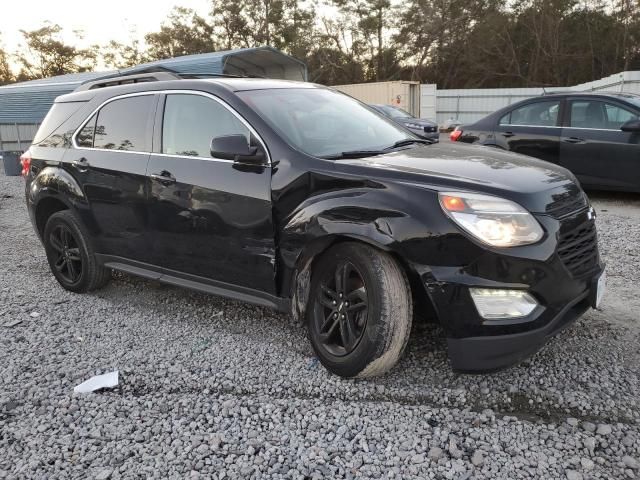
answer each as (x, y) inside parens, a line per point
(472, 104)
(16, 136)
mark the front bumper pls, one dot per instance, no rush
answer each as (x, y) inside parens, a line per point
(563, 287)
(487, 353)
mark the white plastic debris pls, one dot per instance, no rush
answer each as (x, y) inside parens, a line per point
(107, 380)
(13, 323)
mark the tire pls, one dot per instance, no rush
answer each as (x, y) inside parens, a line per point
(369, 340)
(71, 256)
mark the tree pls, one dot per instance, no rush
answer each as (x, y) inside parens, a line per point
(184, 33)
(121, 55)
(284, 24)
(46, 55)
(6, 75)
(370, 22)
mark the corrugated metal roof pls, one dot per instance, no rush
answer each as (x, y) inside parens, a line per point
(215, 62)
(70, 79)
(28, 102)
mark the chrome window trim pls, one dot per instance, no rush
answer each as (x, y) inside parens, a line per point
(528, 126)
(169, 92)
(598, 129)
(86, 120)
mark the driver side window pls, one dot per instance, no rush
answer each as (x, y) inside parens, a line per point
(190, 122)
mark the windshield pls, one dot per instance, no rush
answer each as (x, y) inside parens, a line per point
(323, 122)
(396, 112)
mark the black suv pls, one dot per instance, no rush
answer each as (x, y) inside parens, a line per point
(297, 197)
(596, 136)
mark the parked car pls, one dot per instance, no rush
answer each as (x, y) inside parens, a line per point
(420, 126)
(596, 136)
(297, 197)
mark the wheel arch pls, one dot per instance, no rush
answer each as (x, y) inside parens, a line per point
(300, 275)
(52, 190)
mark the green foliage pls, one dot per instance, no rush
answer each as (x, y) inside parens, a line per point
(120, 55)
(456, 44)
(46, 55)
(184, 33)
(6, 75)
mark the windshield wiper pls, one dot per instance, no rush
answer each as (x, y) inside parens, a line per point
(409, 141)
(372, 153)
(354, 154)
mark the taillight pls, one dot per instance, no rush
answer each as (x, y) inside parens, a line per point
(455, 135)
(25, 161)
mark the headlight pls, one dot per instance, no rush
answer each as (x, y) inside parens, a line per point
(413, 125)
(492, 220)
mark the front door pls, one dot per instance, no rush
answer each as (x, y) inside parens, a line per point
(211, 218)
(596, 150)
(532, 129)
(109, 161)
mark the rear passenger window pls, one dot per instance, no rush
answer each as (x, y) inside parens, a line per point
(540, 114)
(192, 121)
(122, 125)
(85, 135)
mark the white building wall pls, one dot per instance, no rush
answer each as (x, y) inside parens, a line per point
(402, 94)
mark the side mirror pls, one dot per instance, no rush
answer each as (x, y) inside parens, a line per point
(236, 148)
(631, 126)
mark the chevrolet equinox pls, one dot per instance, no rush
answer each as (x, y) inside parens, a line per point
(293, 196)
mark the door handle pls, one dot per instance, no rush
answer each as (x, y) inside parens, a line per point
(573, 140)
(508, 134)
(163, 177)
(81, 164)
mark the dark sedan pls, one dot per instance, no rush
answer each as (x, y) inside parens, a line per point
(596, 136)
(420, 126)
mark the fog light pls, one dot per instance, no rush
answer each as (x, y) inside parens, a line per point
(492, 303)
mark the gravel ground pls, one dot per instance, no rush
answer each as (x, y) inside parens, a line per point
(218, 389)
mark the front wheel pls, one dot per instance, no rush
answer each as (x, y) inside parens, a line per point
(360, 311)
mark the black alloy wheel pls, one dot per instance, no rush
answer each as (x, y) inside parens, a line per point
(341, 309)
(69, 261)
(360, 310)
(71, 255)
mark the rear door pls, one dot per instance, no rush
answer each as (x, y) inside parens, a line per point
(532, 129)
(210, 218)
(109, 160)
(595, 149)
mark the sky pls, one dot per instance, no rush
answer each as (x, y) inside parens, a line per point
(115, 20)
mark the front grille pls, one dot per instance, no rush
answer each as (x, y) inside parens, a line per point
(578, 245)
(567, 204)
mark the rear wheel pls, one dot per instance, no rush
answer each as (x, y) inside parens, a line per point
(360, 310)
(70, 255)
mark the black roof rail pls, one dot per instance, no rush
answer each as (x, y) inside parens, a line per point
(152, 74)
(127, 79)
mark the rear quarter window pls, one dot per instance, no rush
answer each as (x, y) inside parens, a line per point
(58, 114)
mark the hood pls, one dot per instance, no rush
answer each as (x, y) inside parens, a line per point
(537, 185)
